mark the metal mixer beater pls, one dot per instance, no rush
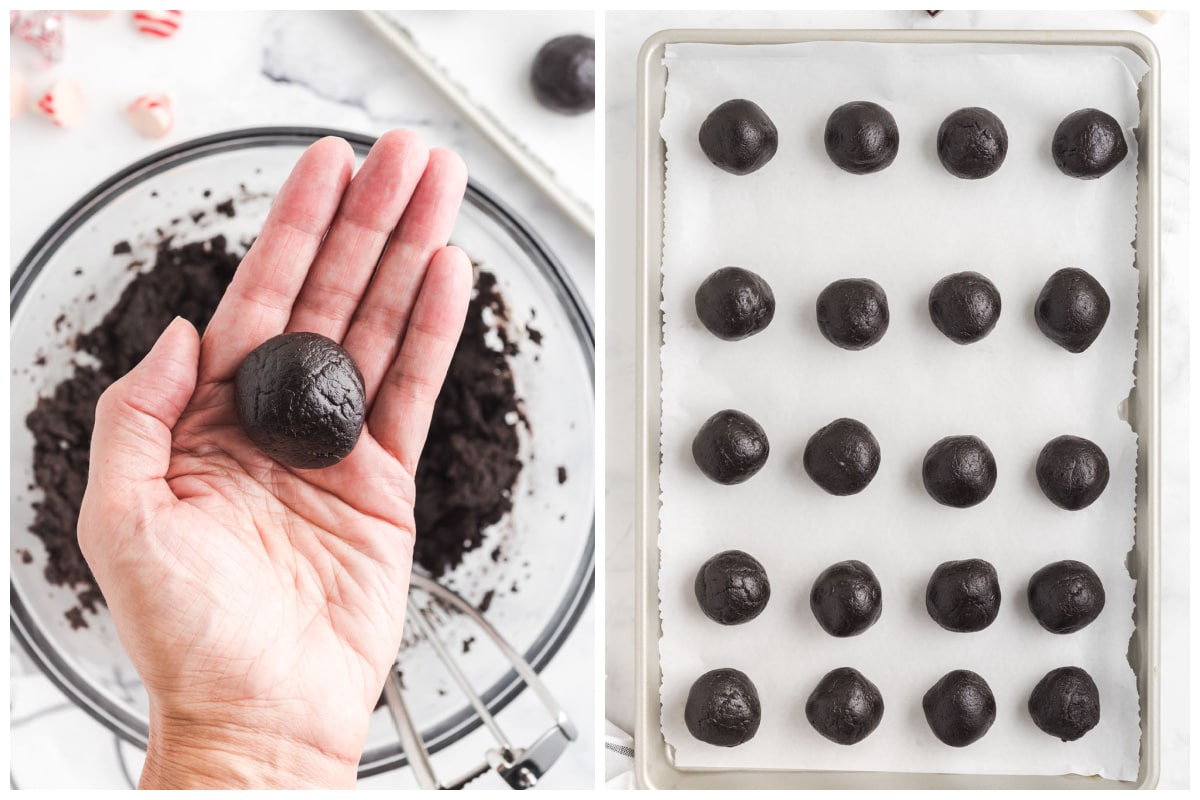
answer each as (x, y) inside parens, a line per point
(520, 767)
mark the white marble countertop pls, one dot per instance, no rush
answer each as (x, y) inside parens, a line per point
(235, 70)
(624, 34)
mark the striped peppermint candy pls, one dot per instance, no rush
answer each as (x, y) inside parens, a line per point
(62, 104)
(157, 23)
(151, 115)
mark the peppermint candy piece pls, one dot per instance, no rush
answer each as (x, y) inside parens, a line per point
(152, 115)
(162, 24)
(62, 104)
(42, 29)
(17, 89)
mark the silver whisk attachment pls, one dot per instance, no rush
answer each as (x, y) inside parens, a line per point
(519, 767)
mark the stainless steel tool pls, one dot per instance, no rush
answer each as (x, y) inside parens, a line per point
(520, 767)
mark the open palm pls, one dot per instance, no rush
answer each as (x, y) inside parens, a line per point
(260, 602)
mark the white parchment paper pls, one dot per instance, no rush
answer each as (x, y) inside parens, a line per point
(801, 223)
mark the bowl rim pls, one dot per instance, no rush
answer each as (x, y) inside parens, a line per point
(24, 628)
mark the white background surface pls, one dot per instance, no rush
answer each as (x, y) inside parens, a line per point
(233, 70)
(625, 34)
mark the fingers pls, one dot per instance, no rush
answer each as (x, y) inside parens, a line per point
(369, 212)
(409, 388)
(259, 301)
(381, 320)
(131, 443)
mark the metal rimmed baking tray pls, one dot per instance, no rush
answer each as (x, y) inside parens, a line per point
(654, 764)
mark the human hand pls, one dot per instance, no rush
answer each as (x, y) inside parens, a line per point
(263, 605)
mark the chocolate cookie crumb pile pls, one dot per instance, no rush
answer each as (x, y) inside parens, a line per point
(185, 281)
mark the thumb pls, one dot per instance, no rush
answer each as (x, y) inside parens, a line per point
(131, 443)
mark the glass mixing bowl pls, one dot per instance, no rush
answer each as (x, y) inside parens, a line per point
(534, 570)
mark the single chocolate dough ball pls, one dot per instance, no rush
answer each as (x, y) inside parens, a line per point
(959, 708)
(723, 708)
(300, 398)
(734, 303)
(1065, 703)
(1072, 309)
(1088, 144)
(1065, 596)
(959, 471)
(842, 457)
(1072, 472)
(739, 137)
(963, 596)
(853, 313)
(563, 75)
(862, 137)
(732, 588)
(845, 707)
(730, 447)
(964, 306)
(846, 599)
(972, 143)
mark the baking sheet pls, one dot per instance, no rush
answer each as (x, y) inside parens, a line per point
(802, 223)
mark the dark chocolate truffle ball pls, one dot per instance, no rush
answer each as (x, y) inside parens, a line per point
(732, 588)
(853, 313)
(739, 137)
(1072, 309)
(734, 303)
(959, 471)
(563, 75)
(730, 447)
(1087, 144)
(972, 143)
(1065, 703)
(963, 596)
(846, 598)
(842, 457)
(964, 306)
(845, 707)
(959, 708)
(862, 137)
(1065, 596)
(722, 708)
(1072, 472)
(300, 399)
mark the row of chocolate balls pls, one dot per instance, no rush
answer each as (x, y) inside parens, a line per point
(862, 137)
(734, 303)
(723, 707)
(732, 588)
(844, 456)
